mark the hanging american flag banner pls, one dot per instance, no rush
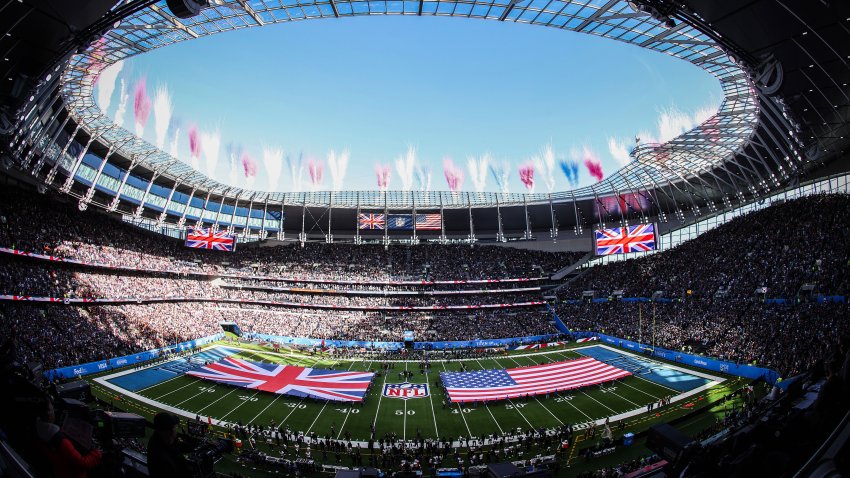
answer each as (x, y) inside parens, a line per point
(200, 238)
(487, 385)
(306, 382)
(622, 240)
(428, 222)
(371, 221)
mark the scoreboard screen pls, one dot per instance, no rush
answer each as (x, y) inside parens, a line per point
(623, 240)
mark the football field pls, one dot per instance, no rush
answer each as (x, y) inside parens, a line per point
(165, 386)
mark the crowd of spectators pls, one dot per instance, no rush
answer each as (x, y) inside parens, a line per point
(781, 247)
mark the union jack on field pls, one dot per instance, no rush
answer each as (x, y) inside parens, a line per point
(288, 379)
(207, 239)
(622, 240)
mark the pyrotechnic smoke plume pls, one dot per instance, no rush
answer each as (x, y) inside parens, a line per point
(593, 165)
(338, 165)
(526, 175)
(454, 175)
(404, 167)
(296, 171)
(382, 174)
(141, 106)
(162, 110)
(316, 168)
(123, 98)
(273, 161)
(211, 142)
(478, 171)
(194, 147)
(501, 174)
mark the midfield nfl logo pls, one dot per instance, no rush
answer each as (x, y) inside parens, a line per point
(406, 390)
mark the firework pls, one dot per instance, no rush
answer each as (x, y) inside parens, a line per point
(211, 144)
(454, 175)
(123, 97)
(296, 171)
(545, 165)
(273, 161)
(501, 174)
(194, 147)
(338, 164)
(570, 169)
(526, 175)
(141, 106)
(175, 135)
(106, 84)
(591, 162)
(316, 169)
(249, 167)
(422, 175)
(405, 166)
(382, 173)
(162, 110)
(478, 171)
(619, 151)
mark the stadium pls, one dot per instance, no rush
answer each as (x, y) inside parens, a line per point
(172, 306)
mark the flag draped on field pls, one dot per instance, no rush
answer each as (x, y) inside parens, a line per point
(288, 379)
(487, 385)
(622, 240)
(200, 238)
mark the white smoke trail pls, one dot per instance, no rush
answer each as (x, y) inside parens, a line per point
(404, 166)
(618, 150)
(162, 110)
(338, 164)
(212, 146)
(501, 172)
(175, 141)
(106, 84)
(273, 161)
(423, 178)
(546, 166)
(478, 169)
(296, 171)
(233, 158)
(123, 97)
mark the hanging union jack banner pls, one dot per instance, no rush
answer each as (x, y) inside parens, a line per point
(371, 221)
(622, 240)
(306, 382)
(199, 238)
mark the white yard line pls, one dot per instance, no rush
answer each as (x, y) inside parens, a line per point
(431, 400)
(520, 413)
(487, 407)
(217, 400)
(237, 406)
(459, 409)
(177, 389)
(212, 386)
(597, 401)
(404, 426)
(317, 417)
(292, 411)
(277, 395)
(569, 402)
(380, 396)
(348, 412)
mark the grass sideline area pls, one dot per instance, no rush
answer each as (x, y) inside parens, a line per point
(428, 417)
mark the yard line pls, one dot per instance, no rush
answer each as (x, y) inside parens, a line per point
(349, 409)
(431, 400)
(538, 401)
(645, 380)
(237, 406)
(216, 400)
(520, 414)
(317, 417)
(639, 390)
(404, 426)
(459, 410)
(487, 407)
(212, 386)
(597, 401)
(159, 383)
(569, 402)
(277, 395)
(380, 396)
(292, 411)
(178, 389)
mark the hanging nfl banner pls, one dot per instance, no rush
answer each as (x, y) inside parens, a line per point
(406, 390)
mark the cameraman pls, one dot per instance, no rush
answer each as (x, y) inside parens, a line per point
(63, 456)
(164, 457)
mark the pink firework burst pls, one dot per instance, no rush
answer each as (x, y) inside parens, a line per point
(141, 103)
(316, 170)
(194, 142)
(249, 166)
(593, 165)
(526, 175)
(454, 175)
(382, 173)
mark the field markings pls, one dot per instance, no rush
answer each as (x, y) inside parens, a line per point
(160, 383)
(602, 387)
(538, 401)
(520, 412)
(216, 400)
(639, 390)
(348, 412)
(177, 389)
(317, 417)
(404, 426)
(487, 407)
(292, 411)
(237, 406)
(380, 396)
(460, 410)
(431, 400)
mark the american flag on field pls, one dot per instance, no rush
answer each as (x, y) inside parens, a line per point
(428, 222)
(622, 240)
(487, 385)
(288, 379)
(371, 221)
(200, 238)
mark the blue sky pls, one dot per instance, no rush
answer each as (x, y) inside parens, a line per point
(375, 87)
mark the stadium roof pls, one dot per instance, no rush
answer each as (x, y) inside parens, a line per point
(754, 144)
